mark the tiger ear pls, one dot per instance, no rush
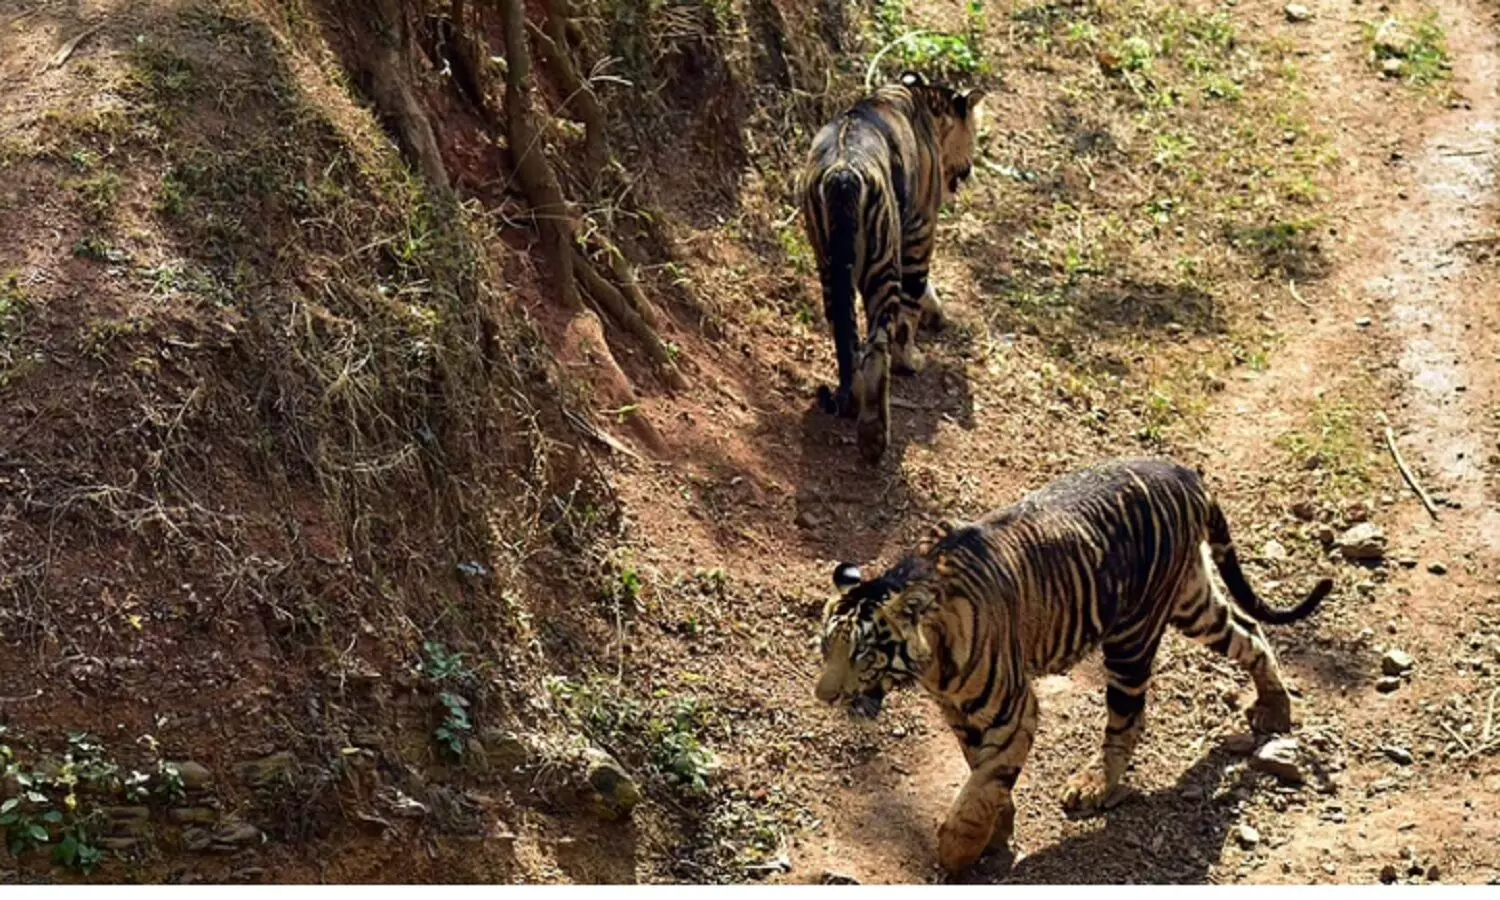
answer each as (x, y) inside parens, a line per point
(936, 535)
(847, 577)
(966, 102)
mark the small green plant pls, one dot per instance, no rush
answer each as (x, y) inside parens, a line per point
(936, 52)
(453, 733)
(676, 749)
(98, 194)
(169, 786)
(1418, 54)
(440, 664)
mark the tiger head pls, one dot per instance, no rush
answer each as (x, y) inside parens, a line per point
(956, 120)
(872, 641)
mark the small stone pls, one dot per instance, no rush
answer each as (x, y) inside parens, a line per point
(192, 815)
(1387, 684)
(1407, 562)
(1356, 512)
(1296, 12)
(126, 813)
(1393, 68)
(1362, 321)
(1396, 662)
(808, 519)
(1304, 510)
(616, 793)
(196, 838)
(195, 776)
(268, 769)
(1388, 874)
(248, 874)
(1242, 744)
(1247, 836)
(1273, 550)
(832, 877)
(1325, 535)
(233, 834)
(505, 749)
(1437, 568)
(1281, 758)
(1399, 755)
(116, 843)
(1434, 873)
(1363, 542)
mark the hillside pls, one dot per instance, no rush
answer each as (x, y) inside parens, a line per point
(385, 469)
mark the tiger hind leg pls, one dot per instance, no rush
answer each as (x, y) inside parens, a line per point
(1206, 616)
(933, 317)
(906, 358)
(1097, 786)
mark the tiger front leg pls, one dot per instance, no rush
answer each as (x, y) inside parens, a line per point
(1097, 786)
(983, 816)
(933, 318)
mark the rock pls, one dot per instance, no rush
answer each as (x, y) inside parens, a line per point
(1247, 836)
(832, 877)
(1282, 759)
(1434, 873)
(192, 815)
(1304, 510)
(808, 519)
(195, 776)
(1393, 68)
(1325, 535)
(248, 874)
(1364, 542)
(116, 843)
(1242, 744)
(507, 751)
(126, 813)
(1362, 321)
(1388, 874)
(1398, 755)
(234, 834)
(616, 793)
(196, 838)
(1396, 662)
(1296, 12)
(1273, 550)
(1437, 568)
(1407, 562)
(1356, 512)
(1387, 684)
(268, 769)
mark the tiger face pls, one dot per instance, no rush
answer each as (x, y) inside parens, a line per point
(956, 120)
(865, 654)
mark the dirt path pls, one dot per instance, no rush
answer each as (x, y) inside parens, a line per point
(1409, 300)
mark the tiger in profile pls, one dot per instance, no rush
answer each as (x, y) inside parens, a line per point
(871, 190)
(1109, 555)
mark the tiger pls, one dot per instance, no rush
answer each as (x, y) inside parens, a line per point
(1105, 556)
(871, 189)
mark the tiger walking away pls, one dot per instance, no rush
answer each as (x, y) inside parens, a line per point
(1107, 556)
(871, 189)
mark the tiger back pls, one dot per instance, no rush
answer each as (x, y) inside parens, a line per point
(871, 189)
(1105, 557)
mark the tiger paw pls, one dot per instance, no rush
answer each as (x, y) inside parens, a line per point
(1005, 828)
(959, 847)
(907, 362)
(932, 317)
(1271, 714)
(1089, 791)
(840, 403)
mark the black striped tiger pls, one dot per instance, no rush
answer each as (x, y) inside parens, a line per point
(871, 190)
(1109, 555)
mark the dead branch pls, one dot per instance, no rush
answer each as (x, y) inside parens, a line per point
(1390, 442)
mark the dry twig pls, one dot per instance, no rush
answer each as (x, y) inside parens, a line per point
(1390, 442)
